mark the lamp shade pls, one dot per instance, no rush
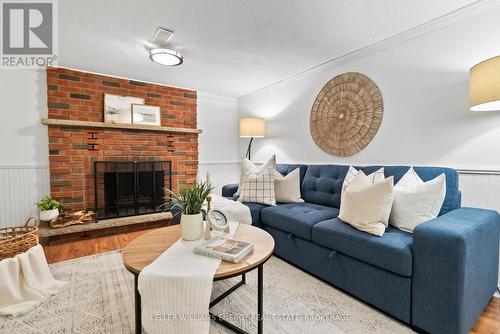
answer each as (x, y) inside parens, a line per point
(484, 85)
(252, 127)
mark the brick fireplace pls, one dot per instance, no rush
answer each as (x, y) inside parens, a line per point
(78, 138)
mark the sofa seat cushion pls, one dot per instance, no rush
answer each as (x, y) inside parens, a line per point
(255, 209)
(392, 251)
(297, 218)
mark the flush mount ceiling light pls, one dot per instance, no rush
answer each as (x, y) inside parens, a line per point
(165, 57)
(162, 54)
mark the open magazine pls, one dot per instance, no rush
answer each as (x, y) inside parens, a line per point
(225, 249)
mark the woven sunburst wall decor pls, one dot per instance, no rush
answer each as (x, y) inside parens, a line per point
(346, 114)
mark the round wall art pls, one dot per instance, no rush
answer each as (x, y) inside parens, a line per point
(346, 114)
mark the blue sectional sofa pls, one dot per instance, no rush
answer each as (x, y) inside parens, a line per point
(438, 279)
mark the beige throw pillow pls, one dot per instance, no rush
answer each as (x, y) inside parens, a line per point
(367, 206)
(258, 188)
(287, 187)
(248, 167)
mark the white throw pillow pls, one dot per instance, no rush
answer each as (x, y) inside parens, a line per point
(367, 206)
(287, 187)
(258, 188)
(248, 167)
(376, 176)
(416, 201)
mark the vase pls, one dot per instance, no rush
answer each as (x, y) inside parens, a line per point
(48, 215)
(192, 226)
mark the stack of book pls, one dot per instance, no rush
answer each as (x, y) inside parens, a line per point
(225, 249)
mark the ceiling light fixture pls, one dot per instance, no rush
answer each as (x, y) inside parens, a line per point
(166, 57)
(161, 54)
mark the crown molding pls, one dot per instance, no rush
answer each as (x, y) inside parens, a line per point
(412, 33)
(215, 97)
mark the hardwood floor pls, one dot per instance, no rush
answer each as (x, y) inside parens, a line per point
(488, 323)
(85, 247)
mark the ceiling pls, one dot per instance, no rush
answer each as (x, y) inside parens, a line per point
(230, 47)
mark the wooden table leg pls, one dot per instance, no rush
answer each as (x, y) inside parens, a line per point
(138, 311)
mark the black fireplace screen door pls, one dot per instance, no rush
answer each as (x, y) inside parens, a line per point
(130, 188)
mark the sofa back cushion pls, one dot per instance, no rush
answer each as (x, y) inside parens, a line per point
(322, 184)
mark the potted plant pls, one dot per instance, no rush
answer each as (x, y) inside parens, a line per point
(190, 201)
(49, 208)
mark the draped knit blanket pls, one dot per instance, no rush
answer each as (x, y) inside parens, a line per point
(234, 211)
(25, 280)
(175, 289)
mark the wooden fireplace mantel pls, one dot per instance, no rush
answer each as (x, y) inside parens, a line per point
(102, 125)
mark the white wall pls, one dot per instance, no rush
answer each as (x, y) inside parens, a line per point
(23, 102)
(218, 144)
(424, 83)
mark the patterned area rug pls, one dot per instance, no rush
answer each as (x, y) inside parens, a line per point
(100, 300)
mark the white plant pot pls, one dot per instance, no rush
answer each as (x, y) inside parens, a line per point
(48, 215)
(192, 226)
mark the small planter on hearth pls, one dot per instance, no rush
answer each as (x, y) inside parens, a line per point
(49, 208)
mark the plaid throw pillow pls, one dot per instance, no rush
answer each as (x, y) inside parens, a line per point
(259, 188)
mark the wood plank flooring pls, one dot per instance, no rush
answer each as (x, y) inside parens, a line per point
(488, 323)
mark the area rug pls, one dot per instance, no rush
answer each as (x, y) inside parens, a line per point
(100, 299)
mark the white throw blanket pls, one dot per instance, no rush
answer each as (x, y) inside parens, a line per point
(234, 211)
(176, 288)
(25, 280)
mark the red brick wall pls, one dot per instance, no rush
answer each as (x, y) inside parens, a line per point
(75, 95)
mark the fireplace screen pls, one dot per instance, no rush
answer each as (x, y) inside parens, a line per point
(129, 188)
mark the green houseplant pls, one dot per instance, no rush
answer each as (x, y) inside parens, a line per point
(189, 201)
(49, 208)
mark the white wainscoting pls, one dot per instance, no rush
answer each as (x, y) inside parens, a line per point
(480, 189)
(220, 173)
(20, 188)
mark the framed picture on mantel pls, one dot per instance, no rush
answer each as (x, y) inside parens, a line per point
(145, 114)
(118, 109)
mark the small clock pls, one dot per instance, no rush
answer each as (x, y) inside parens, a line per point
(217, 220)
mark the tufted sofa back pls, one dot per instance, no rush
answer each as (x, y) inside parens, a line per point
(322, 184)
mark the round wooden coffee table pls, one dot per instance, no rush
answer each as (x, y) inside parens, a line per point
(145, 249)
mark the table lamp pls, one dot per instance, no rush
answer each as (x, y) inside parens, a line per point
(252, 127)
(484, 85)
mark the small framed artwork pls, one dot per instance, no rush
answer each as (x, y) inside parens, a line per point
(145, 114)
(118, 109)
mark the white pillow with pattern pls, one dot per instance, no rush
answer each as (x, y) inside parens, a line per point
(259, 188)
(248, 167)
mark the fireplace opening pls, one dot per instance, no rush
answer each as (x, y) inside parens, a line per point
(130, 188)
